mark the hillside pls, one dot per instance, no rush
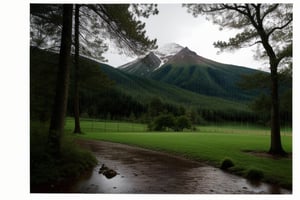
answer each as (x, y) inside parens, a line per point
(143, 89)
(187, 70)
(140, 89)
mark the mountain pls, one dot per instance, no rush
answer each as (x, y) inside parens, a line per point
(187, 70)
(142, 66)
(185, 57)
(144, 89)
(43, 69)
(154, 60)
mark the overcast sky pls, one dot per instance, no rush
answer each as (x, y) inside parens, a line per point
(174, 24)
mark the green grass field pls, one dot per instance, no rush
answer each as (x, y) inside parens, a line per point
(210, 144)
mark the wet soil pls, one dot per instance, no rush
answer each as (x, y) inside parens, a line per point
(149, 172)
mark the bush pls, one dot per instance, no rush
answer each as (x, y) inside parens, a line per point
(85, 115)
(44, 168)
(227, 163)
(181, 123)
(255, 174)
(162, 122)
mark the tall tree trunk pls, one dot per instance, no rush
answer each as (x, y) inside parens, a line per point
(76, 86)
(62, 83)
(276, 147)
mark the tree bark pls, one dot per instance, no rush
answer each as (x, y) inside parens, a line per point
(76, 78)
(275, 147)
(62, 83)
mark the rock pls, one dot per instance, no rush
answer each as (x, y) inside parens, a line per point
(108, 173)
(102, 169)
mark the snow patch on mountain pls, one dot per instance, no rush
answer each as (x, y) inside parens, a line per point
(153, 60)
(165, 52)
(168, 49)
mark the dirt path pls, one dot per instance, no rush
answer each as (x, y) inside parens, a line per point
(145, 171)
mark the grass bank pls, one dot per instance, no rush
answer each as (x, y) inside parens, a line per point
(210, 144)
(47, 171)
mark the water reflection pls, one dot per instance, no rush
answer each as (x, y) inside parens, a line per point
(144, 171)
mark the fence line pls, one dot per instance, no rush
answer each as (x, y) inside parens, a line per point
(109, 126)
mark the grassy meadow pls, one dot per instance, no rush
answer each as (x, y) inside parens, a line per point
(210, 144)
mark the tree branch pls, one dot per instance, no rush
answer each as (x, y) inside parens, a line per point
(257, 11)
(236, 8)
(240, 40)
(280, 27)
(251, 18)
(287, 52)
(113, 28)
(213, 9)
(271, 9)
(83, 37)
(257, 42)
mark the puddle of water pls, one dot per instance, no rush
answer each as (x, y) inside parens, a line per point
(147, 172)
(98, 183)
(220, 182)
(214, 181)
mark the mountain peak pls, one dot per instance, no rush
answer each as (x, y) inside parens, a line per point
(150, 54)
(185, 56)
(186, 50)
(170, 53)
(169, 49)
(142, 66)
(165, 52)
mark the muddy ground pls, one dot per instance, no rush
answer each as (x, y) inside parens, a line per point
(142, 171)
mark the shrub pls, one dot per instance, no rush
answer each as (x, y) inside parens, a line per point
(181, 123)
(162, 122)
(85, 115)
(227, 163)
(44, 168)
(255, 174)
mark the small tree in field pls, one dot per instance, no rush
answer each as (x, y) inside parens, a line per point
(182, 122)
(162, 122)
(168, 121)
(267, 25)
